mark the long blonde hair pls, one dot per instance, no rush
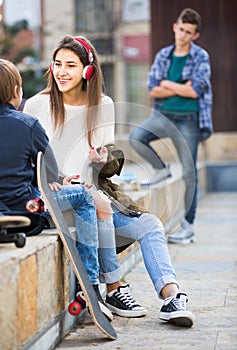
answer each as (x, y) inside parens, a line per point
(93, 87)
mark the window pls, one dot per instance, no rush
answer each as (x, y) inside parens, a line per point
(94, 16)
(104, 46)
(135, 11)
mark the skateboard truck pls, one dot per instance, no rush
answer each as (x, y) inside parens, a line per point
(8, 222)
(18, 238)
(76, 306)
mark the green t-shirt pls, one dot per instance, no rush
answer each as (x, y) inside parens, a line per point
(178, 105)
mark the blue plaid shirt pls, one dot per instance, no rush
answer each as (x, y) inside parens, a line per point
(197, 69)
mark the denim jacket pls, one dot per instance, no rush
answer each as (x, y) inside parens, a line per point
(21, 138)
(197, 69)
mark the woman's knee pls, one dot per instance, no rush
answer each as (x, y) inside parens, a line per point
(152, 223)
(135, 135)
(103, 205)
(103, 214)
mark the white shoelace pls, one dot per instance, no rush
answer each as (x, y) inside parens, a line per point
(126, 298)
(180, 303)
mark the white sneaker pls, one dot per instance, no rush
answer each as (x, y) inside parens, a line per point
(184, 235)
(159, 175)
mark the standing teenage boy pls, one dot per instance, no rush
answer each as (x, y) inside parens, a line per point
(179, 85)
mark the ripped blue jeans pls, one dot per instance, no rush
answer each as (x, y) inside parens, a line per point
(78, 199)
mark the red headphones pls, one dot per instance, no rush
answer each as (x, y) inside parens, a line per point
(89, 70)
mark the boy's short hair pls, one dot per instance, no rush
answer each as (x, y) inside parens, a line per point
(9, 78)
(191, 16)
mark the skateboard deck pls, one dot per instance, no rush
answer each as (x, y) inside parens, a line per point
(7, 221)
(97, 316)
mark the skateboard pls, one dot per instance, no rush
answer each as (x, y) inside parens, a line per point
(89, 295)
(7, 221)
(129, 182)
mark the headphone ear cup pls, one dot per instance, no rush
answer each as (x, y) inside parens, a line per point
(88, 72)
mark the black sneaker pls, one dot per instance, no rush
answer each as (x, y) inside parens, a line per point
(175, 311)
(122, 303)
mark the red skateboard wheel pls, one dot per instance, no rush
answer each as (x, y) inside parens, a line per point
(75, 308)
(35, 205)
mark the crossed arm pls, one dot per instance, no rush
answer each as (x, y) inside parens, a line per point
(169, 88)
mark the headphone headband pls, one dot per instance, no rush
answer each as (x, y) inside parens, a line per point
(87, 48)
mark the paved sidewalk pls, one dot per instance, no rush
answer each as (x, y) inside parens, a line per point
(207, 271)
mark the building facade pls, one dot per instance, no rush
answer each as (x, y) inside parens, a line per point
(119, 30)
(127, 34)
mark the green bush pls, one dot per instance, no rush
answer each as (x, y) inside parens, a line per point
(32, 83)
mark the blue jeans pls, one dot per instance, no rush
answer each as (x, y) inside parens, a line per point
(78, 199)
(185, 135)
(148, 231)
(109, 267)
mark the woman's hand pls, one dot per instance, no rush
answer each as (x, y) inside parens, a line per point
(55, 186)
(68, 179)
(101, 157)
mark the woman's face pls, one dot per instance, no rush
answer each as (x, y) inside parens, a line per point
(67, 70)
